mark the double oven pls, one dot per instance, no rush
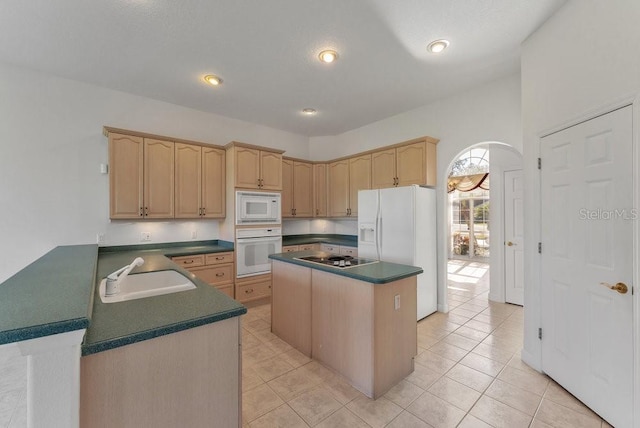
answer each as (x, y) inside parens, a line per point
(255, 244)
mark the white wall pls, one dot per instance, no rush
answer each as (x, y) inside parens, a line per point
(51, 146)
(583, 58)
(487, 113)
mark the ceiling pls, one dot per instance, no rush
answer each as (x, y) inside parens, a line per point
(267, 52)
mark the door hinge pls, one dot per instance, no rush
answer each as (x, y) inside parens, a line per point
(539, 163)
(539, 247)
(540, 333)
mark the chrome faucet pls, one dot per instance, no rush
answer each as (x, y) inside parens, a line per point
(115, 279)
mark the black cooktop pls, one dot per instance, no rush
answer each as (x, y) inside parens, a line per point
(338, 261)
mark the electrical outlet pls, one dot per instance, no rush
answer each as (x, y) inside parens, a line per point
(145, 236)
(396, 301)
(194, 234)
(100, 238)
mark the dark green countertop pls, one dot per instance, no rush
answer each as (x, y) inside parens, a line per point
(375, 273)
(50, 296)
(347, 240)
(123, 323)
(58, 293)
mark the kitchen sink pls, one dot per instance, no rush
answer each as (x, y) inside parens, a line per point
(138, 286)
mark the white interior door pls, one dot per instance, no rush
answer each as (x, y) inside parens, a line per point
(587, 228)
(513, 235)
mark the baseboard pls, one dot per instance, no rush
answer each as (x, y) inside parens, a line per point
(531, 360)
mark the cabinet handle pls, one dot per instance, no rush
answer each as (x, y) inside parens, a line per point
(250, 290)
(295, 211)
(204, 211)
(220, 258)
(146, 211)
(141, 214)
(317, 211)
(188, 262)
(219, 274)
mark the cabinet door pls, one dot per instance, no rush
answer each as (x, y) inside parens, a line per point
(271, 170)
(411, 164)
(302, 189)
(126, 154)
(213, 182)
(383, 169)
(320, 189)
(432, 173)
(158, 178)
(338, 188)
(188, 180)
(247, 167)
(359, 179)
(287, 188)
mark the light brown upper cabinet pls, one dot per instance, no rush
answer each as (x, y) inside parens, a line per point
(359, 179)
(320, 189)
(141, 177)
(297, 188)
(338, 179)
(346, 178)
(200, 181)
(403, 165)
(257, 169)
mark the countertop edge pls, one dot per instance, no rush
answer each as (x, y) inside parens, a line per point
(347, 272)
(97, 347)
(43, 330)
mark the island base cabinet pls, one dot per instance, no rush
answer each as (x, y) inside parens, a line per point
(358, 332)
(291, 305)
(189, 378)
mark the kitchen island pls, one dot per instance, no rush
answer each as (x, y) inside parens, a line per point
(359, 321)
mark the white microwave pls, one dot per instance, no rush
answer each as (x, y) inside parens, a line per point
(257, 208)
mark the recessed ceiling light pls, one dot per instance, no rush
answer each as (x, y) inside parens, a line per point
(438, 46)
(213, 79)
(328, 56)
(309, 111)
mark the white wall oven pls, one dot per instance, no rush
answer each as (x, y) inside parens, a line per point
(257, 208)
(253, 247)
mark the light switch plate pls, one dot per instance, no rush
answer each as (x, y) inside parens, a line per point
(396, 301)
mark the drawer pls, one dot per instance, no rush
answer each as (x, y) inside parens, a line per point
(349, 251)
(253, 291)
(189, 261)
(219, 258)
(330, 248)
(214, 274)
(309, 247)
(290, 248)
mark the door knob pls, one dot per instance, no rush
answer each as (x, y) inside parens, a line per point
(620, 287)
(510, 244)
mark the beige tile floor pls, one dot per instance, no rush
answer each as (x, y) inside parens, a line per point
(468, 373)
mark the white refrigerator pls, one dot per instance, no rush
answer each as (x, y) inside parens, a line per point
(399, 225)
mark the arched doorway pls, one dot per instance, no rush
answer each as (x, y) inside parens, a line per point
(479, 211)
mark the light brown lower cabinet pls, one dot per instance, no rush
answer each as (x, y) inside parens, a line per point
(216, 269)
(253, 288)
(352, 325)
(190, 378)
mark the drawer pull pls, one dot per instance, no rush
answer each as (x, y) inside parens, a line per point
(220, 258)
(188, 262)
(247, 291)
(220, 274)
